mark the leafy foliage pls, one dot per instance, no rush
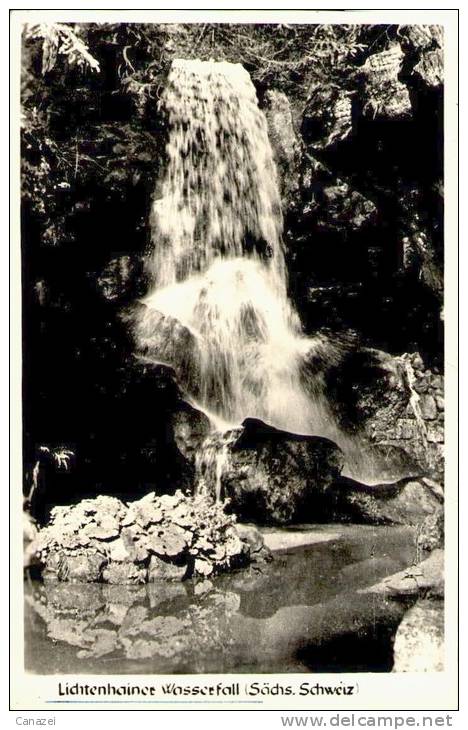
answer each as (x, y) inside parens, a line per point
(92, 90)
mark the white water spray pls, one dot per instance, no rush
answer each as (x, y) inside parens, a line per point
(218, 262)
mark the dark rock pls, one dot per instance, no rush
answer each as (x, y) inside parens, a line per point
(388, 402)
(327, 117)
(368, 390)
(252, 536)
(163, 339)
(190, 427)
(330, 204)
(419, 640)
(122, 279)
(421, 37)
(274, 476)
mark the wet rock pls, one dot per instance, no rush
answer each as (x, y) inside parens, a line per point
(163, 339)
(390, 402)
(252, 536)
(419, 640)
(369, 391)
(344, 207)
(273, 476)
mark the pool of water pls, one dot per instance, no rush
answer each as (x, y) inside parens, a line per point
(302, 612)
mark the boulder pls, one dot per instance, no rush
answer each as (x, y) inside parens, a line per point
(161, 339)
(190, 427)
(425, 580)
(405, 502)
(368, 390)
(275, 477)
(80, 568)
(419, 640)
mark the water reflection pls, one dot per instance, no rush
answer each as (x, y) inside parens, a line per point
(299, 613)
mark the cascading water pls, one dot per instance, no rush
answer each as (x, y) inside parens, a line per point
(218, 262)
(219, 311)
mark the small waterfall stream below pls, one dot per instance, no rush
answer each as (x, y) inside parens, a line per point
(219, 311)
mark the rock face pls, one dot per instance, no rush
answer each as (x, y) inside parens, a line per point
(394, 402)
(156, 538)
(274, 476)
(419, 430)
(285, 142)
(419, 640)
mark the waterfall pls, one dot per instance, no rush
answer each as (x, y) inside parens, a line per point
(219, 310)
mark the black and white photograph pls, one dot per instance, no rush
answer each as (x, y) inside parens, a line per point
(232, 250)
